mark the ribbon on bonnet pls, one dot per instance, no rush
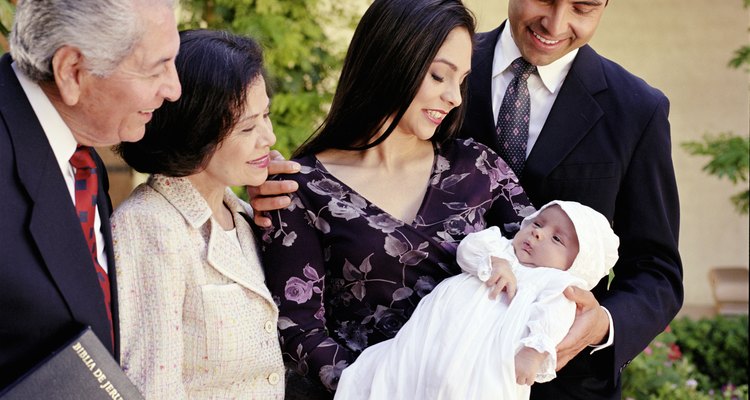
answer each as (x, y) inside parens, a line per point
(597, 242)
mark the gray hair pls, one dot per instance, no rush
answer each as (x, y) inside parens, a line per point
(105, 31)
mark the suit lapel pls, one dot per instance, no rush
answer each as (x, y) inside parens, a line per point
(573, 114)
(53, 225)
(480, 118)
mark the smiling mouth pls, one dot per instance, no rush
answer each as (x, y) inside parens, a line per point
(436, 116)
(261, 162)
(545, 41)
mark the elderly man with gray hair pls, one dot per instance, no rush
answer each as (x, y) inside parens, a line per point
(80, 73)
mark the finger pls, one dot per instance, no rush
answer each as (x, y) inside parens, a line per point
(283, 167)
(572, 293)
(495, 277)
(276, 155)
(261, 204)
(261, 221)
(578, 295)
(511, 289)
(574, 341)
(565, 345)
(495, 291)
(252, 192)
(561, 362)
(272, 188)
(498, 288)
(584, 299)
(566, 351)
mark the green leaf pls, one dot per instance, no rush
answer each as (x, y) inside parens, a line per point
(302, 56)
(6, 16)
(729, 157)
(741, 57)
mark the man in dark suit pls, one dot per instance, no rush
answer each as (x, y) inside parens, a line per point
(81, 73)
(600, 136)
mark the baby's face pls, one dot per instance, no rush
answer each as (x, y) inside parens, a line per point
(549, 240)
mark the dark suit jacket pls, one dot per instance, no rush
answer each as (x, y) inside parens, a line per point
(48, 285)
(606, 143)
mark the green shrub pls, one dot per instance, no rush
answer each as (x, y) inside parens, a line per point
(660, 372)
(716, 346)
(304, 43)
(692, 360)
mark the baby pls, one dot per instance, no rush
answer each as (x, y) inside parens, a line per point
(461, 344)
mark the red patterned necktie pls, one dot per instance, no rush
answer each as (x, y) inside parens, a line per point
(86, 189)
(513, 119)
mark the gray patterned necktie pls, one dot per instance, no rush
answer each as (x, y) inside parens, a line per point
(513, 119)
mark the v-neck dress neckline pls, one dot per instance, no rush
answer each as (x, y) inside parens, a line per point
(435, 149)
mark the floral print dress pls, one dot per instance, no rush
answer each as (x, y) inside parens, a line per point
(347, 275)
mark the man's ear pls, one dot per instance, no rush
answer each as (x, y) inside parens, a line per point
(67, 68)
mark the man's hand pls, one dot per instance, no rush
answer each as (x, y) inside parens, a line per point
(501, 278)
(591, 325)
(272, 195)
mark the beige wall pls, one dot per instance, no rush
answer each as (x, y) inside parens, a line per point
(682, 47)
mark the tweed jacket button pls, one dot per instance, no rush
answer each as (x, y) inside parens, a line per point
(269, 327)
(273, 378)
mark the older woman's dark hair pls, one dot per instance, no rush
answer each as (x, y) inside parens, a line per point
(215, 70)
(388, 58)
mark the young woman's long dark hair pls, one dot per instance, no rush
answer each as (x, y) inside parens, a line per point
(388, 58)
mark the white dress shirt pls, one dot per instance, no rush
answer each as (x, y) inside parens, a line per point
(544, 86)
(63, 145)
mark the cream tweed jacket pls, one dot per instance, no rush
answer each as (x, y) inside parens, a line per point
(196, 319)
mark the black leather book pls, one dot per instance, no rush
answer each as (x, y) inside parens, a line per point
(82, 369)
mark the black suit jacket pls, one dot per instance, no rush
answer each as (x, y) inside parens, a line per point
(606, 143)
(48, 285)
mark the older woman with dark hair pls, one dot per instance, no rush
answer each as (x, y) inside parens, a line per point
(385, 191)
(196, 319)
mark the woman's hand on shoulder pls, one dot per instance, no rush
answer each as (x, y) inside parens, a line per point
(272, 195)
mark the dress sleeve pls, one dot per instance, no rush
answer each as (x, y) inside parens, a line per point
(550, 318)
(297, 284)
(475, 251)
(151, 293)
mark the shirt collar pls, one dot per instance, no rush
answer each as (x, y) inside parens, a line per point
(552, 75)
(58, 134)
(186, 199)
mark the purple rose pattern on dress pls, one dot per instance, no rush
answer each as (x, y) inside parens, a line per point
(347, 274)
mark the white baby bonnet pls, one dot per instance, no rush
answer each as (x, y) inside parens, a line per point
(597, 243)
